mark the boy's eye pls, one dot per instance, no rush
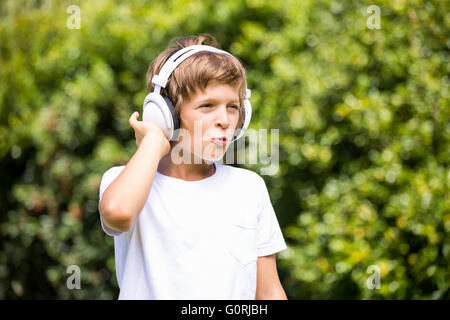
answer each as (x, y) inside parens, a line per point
(210, 105)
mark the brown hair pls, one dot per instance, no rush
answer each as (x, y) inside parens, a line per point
(197, 71)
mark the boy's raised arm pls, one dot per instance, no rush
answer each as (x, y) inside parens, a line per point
(125, 197)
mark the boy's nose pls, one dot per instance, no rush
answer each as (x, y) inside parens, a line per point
(222, 118)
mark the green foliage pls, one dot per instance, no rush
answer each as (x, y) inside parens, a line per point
(364, 136)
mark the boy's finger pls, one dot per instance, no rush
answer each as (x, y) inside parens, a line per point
(133, 118)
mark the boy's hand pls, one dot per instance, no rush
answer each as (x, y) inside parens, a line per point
(143, 129)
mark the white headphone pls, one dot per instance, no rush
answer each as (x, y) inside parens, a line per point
(159, 110)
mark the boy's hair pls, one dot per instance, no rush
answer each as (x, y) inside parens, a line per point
(197, 71)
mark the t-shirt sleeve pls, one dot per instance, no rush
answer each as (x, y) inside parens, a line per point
(270, 237)
(109, 176)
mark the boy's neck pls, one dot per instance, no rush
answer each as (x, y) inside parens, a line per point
(185, 171)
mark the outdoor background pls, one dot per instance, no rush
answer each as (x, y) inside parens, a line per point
(364, 128)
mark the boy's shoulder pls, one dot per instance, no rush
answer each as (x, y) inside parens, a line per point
(109, 175)
(114, 170)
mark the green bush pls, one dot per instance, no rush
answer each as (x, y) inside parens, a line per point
(364, 136)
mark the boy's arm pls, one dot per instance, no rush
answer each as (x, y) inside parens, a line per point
(125, 197)
(268, 285)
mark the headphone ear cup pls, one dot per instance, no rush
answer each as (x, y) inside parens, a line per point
(175, 119)
(157, 111)
(247, 114)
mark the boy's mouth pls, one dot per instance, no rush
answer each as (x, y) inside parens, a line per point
(219, 140)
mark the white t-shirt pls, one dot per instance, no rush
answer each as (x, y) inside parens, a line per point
(196, 239)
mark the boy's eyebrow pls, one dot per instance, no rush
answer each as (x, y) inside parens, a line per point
(213, 99)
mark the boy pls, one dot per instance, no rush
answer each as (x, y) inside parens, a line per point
(196, 229)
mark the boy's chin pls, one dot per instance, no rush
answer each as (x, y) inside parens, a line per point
(210, 158)
(211, 154)
(207, 157)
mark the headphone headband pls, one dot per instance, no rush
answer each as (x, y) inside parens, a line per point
(160, 80)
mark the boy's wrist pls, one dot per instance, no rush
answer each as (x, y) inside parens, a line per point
(155, 141)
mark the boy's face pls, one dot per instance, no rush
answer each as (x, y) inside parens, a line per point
(207, 116)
